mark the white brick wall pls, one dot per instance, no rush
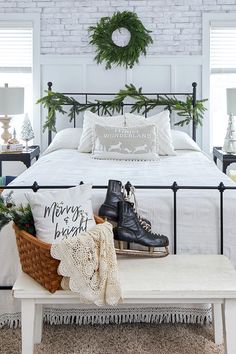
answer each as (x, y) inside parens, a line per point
(176, 24)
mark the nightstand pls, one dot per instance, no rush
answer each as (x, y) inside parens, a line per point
(24, 156)
(225, 157)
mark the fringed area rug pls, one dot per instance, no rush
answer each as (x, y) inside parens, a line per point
(140, 338)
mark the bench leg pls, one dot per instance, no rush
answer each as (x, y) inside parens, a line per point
(217, 323)
(229, 319)
(38, 324)
(27, 325)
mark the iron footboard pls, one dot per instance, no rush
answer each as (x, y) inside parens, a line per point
(174, 187)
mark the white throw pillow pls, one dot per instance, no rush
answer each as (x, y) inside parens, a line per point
(182, 141)
(68, 138)
(162, 123)
(125, 143)
(61, 214)
(90, 119)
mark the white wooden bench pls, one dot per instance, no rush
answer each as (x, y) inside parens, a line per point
(174, 279)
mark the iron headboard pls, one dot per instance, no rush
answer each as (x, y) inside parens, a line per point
(88, 95)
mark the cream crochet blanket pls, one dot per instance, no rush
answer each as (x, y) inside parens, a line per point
(89, 266)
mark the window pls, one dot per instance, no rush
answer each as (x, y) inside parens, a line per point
(223, 74)
(20, 63)
(223, 47)
(16, 46)
(16, 63)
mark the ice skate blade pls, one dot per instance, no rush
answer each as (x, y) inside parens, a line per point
(141, 253)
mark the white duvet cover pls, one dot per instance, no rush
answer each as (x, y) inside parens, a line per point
(198, 211)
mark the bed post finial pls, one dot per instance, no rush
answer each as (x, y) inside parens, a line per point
(128, 186)
(194, 85)
(49, 86)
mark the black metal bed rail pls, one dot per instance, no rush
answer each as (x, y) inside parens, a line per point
(174, 188)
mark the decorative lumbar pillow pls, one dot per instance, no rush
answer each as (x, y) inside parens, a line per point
(124, 143)
(90, 119)
(68, 138)
(182, 141)
(162, 122)
(61, 214)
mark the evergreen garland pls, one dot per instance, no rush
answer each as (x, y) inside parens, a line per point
(55, 101)
(20, 215)
(108, 51)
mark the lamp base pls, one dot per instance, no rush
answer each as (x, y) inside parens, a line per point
(26, 145)
(6, 135)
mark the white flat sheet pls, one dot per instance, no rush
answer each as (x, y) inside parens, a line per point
(198, 211)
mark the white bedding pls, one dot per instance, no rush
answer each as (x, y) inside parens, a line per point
(198, 212)
(197, 216)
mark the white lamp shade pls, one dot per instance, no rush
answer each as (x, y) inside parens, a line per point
(11, 100)
(231, 101)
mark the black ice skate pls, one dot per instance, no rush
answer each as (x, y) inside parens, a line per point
(129, 229)
(115, 194)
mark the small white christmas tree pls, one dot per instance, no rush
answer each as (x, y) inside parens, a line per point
(27, 132)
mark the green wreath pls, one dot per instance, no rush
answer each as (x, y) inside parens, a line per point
(111, 53)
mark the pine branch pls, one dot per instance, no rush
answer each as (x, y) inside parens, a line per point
(20, 215)
(55, 101)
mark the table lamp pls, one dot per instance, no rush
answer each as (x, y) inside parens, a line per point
(11, 103)
(230, 138)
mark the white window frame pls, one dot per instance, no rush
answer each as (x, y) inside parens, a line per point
(219, 19)
(35, 21)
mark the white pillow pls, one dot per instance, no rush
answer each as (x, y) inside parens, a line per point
(125, 143)
(68, 138)
(162, 123)
(182, 141)
(90, 119)
(61, 214)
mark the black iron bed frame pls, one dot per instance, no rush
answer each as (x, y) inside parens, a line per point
(88, 95)
(174, 187)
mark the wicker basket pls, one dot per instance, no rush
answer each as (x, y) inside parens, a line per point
(36, 259)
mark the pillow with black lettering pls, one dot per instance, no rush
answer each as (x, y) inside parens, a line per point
(61, 214)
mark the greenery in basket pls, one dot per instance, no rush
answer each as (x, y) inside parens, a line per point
(20, 215)
(55, 102)
(108, 51)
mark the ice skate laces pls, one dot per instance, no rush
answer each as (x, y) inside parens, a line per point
(131, 198)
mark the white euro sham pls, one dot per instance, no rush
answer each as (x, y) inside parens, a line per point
(68, 138)
(90, 119)
(162, 122)
(182, 141)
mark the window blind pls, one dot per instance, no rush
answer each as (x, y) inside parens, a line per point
(15, 47)
(223, 47)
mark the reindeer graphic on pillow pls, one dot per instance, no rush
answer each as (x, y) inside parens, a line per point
(131, 140)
